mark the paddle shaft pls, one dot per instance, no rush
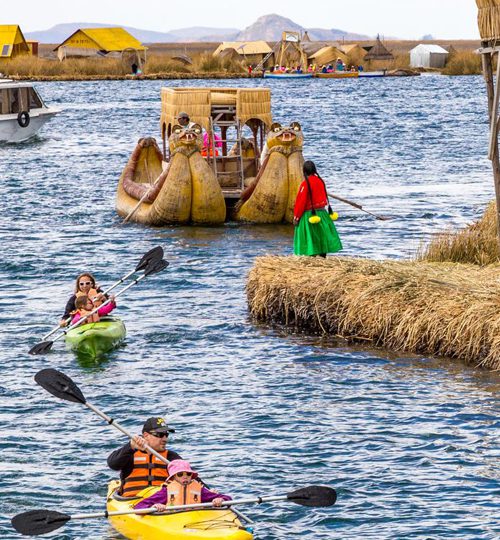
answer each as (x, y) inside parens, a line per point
(356, 205)
(141, 200)
(109, 289)
(81, 321)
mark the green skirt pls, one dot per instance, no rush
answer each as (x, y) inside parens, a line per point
(317, 238)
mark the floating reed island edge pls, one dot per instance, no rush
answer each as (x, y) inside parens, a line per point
(436, 309)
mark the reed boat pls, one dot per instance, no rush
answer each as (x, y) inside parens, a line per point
(209, 524)
(287, 76)
(338, 75)
(188, 182)
(22, 111)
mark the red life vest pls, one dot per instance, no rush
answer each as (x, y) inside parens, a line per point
(148, 471)
(180, 494)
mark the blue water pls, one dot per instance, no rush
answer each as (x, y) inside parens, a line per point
(410, 443)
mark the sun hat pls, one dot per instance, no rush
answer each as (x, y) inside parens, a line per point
(179, 465)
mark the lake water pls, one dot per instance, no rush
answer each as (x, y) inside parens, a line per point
(410, 443)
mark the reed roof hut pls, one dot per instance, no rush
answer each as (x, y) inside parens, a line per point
(12, 42)
(354, 49)
(378, 52)
(327, 55)
(252, 52)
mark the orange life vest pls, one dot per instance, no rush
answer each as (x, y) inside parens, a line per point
(93, 318)
(148, 471)
(209, 152)
(180, 494)
(91, 294)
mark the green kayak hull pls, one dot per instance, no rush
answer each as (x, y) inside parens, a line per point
(96, 339)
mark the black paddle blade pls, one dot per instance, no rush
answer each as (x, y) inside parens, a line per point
(42, 347)
(155, 254)
(155, 267)
(60, 385)
(38, 522)
(313, 496)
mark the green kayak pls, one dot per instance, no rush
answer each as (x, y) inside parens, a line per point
(98, 338)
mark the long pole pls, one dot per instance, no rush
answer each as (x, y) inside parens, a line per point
(487, 60)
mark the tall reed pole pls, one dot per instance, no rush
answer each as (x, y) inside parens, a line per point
(493, 91)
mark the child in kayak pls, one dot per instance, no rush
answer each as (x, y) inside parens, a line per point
(85, 286)
(182, 487)
(84, 306)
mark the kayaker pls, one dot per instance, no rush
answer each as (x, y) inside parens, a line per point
(139, 469)
(85, 285)
(315, 233)
(182, 487)
(84, 306)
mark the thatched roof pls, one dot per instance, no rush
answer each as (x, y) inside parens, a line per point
(102, 39)
(489, 19)
(183, 59)
(379, 52)
(327, 55)
(244, 48)
(354, 49)
(12, 41)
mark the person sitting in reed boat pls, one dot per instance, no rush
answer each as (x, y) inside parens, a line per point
(315, 234)
(138, 468)
(207, 145)
(184, 121)
(85, 285)
(84, 305)
(182, 487)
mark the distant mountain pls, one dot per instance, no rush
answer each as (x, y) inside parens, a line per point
(268, 28)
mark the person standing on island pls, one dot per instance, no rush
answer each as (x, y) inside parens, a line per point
(138, 468)
(315, 233)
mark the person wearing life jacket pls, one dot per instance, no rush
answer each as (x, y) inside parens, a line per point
(85, 285)
(84, 306)
(138, 468)
(315, 234)
(182, 487)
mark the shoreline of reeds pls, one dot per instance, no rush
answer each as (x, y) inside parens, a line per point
(444, 303)
(148, 77)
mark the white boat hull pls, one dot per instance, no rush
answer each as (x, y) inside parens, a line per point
(12, 132)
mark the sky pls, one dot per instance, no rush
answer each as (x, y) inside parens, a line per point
(406, 19)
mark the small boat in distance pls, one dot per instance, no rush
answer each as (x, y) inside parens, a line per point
(286, 76)
(338, 75)
(22, 111)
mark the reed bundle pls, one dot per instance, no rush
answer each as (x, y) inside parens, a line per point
(476, 244)
(489, 19)
(435, 309)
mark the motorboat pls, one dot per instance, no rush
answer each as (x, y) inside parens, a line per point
(22, 111)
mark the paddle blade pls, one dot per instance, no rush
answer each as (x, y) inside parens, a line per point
(155, 267)
(313, 496)
(41, 348)
(60, 385)
(38, 522)
(155, 254)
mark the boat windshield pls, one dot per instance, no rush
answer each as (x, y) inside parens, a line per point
(16, 100)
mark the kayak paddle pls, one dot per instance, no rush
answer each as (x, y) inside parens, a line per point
(151, 267)
(153, 254)
(63, 387)
(35, 522)
(358, 206)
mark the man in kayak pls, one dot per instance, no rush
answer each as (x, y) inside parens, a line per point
(138, 468)
(182, 487)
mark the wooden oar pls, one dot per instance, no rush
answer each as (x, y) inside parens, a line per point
(153, 267)
(35, 522)
(153, 254)
(358, 206)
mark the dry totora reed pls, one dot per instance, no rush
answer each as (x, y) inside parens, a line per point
(438, 309)
(476, 244)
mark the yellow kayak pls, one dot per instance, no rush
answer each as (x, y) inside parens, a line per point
(213, 524)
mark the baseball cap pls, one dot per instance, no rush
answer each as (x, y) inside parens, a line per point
(183, 115)
(156, 423)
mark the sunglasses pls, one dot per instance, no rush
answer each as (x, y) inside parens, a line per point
(158, 435)
(82, 283)
(184, 473)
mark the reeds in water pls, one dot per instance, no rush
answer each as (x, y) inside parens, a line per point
(438, 309)
(476, 244)
(463, 63)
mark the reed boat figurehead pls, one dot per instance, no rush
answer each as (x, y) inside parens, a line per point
(271, 197)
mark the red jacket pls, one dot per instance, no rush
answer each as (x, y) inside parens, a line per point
(303, 200)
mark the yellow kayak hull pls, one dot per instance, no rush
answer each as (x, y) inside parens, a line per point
(210, 524)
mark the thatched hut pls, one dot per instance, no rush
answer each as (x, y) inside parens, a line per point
(327, 55)
(438, 309)
(250, 52)
(378, 52)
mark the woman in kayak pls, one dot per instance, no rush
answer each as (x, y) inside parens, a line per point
(182, 487)
(85, 285)
(315, 233)
(84, 306)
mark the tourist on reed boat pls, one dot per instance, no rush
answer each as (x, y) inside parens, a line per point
(182, 487)
(184, 121)
(138, 468)
(85, 285)
(315, 233)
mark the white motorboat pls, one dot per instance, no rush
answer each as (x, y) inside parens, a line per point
(22, 111)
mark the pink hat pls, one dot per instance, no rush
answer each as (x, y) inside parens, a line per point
(179, 465)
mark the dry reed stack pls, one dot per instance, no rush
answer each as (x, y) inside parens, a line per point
(476, 244)
(440, 309)
(489, 19)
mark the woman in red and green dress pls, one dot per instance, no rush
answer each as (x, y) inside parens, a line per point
(313, 236)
